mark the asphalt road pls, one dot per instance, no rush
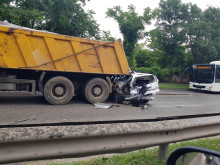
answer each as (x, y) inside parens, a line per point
(34, 110)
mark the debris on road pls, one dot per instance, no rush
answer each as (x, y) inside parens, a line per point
(104, 106)
(145, 107)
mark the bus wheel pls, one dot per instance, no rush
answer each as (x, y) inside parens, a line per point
(58, 90)
(96, 90)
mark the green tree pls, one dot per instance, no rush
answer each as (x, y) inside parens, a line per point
(131, 26)
(197, 31)
(212, 16)
(202, 31)
(68, 17)
(144, 57)
(18, 13)
(106, 36)
(5, 9)
(60, 16)
(170, 35)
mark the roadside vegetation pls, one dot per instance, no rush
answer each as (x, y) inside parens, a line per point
(147, 156)
(173, 86)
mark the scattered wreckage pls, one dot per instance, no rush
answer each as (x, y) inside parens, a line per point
(137, 88)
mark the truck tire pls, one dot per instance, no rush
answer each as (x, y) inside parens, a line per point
(96, 90)
(58, 90)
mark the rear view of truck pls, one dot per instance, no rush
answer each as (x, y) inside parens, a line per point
(58, 66)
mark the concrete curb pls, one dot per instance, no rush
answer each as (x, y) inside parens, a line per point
(173, 92)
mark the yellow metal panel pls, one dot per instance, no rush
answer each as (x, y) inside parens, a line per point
(40, 53)
(91, 58)
(80, 57)
(121, 57)
(109, 60)
(10, 51)
(2, 61)
(102, 66)
(65, 49)
(54, 53)
(25, 48)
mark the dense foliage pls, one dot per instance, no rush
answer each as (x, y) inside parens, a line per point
(65, 17)
(184, 33)
(131, 26)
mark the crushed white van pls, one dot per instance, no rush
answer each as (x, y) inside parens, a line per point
(136, 87)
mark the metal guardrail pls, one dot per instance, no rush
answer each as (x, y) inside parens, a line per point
(52, 142)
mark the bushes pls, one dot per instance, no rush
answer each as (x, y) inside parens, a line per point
(163, 74)
(154, 70)
(158, 63)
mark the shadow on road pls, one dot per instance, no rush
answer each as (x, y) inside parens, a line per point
(204, 92)
(27, 99)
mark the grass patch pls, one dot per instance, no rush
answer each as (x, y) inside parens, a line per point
(173, 86)
(147, 156)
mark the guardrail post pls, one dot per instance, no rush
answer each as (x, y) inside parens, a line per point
(163, 151)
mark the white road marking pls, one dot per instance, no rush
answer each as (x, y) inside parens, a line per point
(177, 106)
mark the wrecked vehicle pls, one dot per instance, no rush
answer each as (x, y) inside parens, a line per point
(137, 86)
(61, 67)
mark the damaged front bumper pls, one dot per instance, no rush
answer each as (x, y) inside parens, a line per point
(149, 95)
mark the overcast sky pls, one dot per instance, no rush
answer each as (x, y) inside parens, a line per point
(101, 6)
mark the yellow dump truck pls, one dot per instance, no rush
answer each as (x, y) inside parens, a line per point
(59, 66)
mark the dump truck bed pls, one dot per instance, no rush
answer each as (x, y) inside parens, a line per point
(24, 48)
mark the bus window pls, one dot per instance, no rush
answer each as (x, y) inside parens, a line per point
(203, 74)
(217, 76)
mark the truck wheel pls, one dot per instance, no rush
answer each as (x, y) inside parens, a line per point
(58, 90)
(96, 90)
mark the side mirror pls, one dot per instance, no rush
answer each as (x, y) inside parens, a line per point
(194, 156)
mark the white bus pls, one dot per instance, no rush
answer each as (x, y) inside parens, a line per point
(205, 77)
